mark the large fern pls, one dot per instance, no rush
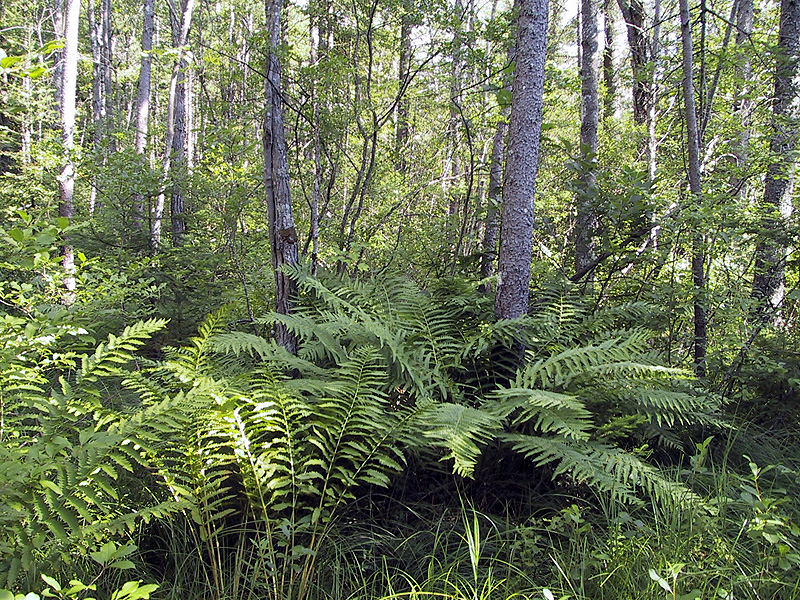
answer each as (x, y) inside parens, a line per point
(590, 378)
(64, 450)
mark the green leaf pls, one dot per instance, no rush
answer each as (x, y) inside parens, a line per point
(62, 222)
(122, 564)
(51, 582)
(660, 580)
(46, 483)
(16, 234)
(772, 538)
(105, 553)
(504, 98)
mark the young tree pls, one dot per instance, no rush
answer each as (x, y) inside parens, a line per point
(609, 29)
(525, 126)
(282, 232)
(743, 103)
(695, 188)
(769, 280)
(403, 127)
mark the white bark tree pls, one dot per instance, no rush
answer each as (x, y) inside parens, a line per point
(67, 92)
(143, 100)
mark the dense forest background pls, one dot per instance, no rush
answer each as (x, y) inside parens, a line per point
(399, 299)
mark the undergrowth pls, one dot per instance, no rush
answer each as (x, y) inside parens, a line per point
(406, 451)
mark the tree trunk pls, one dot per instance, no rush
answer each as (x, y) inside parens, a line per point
(282, 233)
(99, 115)
(108, 71)
(58, 56)
(495, 201)
(586, 221)
(403, 128)
(769, 281)
(179, 171)
(516, 230)
(452, 170)
(652, 138)
(609, 72)
(693, 151)
(634, 14)
(743, 104)
(181, 24)
(68, 88)
(143, 101)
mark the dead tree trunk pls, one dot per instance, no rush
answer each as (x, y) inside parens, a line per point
(282, 232)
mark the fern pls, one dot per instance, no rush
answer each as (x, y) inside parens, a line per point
(461, 430)
(63, 467)
(603, 467)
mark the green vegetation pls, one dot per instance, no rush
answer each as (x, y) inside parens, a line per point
(250, 342)
(402, 453)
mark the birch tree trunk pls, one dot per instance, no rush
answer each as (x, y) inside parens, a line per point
(524, 133)
(143, 101)
(68, 88)
(695, 188)
(282, 232)
(769, 282)
(586, 221)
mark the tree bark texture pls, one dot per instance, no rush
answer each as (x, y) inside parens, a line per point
(586, 221)
(769, 281)
(695, 187)
(179, 170)
(525, 126)
(634, 14)
(282, 232)
(68, 88)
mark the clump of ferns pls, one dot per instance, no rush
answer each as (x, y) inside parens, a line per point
(588, 383)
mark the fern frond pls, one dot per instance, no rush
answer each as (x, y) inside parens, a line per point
(604, 468)
(461, 430)
(116, 351)
(547, 412)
